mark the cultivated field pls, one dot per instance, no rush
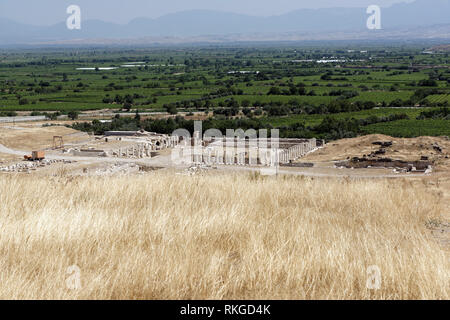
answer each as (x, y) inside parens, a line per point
(280, 87)
(222, 236)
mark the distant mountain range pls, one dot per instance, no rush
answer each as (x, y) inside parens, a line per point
(441, 48)
(432, 16)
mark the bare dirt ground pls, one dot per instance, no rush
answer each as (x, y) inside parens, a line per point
(34, 136)
(6, 158)
(409, 149)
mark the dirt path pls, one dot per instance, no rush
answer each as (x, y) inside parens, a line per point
(6, 150)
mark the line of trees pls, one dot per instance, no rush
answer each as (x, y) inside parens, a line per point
(331, 128)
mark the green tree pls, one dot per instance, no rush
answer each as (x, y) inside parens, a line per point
(73, 115)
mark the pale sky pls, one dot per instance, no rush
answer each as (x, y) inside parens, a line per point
(47, 12)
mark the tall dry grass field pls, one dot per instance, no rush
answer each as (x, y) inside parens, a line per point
(166, 236)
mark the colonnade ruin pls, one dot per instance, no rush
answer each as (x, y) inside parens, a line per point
(209, 151)
(143, 148)
(243, 152)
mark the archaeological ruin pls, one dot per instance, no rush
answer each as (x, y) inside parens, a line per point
(243, 152)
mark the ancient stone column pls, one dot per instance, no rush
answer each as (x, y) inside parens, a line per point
(268, 158)
(241, 160)
(208, 159)
(253, 156)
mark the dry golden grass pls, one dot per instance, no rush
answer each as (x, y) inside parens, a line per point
(166, 236)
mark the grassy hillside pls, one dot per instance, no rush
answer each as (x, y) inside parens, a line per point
(168, 236)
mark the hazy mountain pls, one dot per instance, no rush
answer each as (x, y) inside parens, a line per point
(203, 23)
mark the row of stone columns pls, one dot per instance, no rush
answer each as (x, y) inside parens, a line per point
(172, 141)
(144, 149)
(241, 155)
(297, 151)
(226, 156)
(141, 150)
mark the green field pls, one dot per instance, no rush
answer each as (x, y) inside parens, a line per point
(439, 98)
(243, 82)
(411, 128)
(312, 120)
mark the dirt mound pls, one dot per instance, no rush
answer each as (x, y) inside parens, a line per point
(435, 149)
(27, 137)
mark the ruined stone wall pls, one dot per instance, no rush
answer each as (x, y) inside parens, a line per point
(145, 147)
